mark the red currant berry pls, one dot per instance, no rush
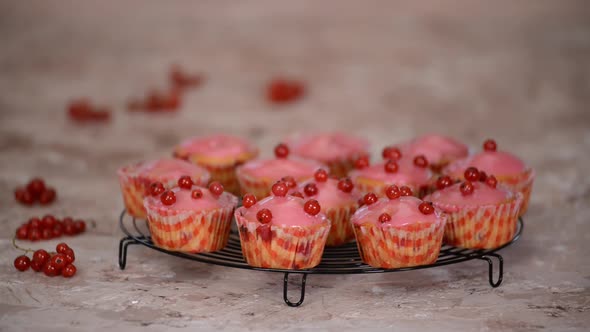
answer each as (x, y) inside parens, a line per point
(426, 208)
(345, 185)
(46, 233)
(59, 261)
(50, 270)
(384, 217)
(58, 230)
(185, 182)
(47, 196)
(282, 91)
(421, 161)
(19, 194)
(279, 189)
(393, 192)
(36, 186)
(41, 256)
(216, 188)
(471, 174)
(36, 266)
(370, 198)
(297, 194)
(248, 201)
(22, 233)
(22, 263)
(289, 181)
(68, 271)
(167, 198)
(391, 166)
(491, 181)
(361, 162)
(443, 182)
(48, 221)
(361, 201)
(156, 188)
(466, 188)
(281, 151)
(264, 216)
(79, 226)
(69, 229)
(34, 234)
(406, 191)
(392, 153)
(490, 145)
(69, 256)
(312, 207)
(482, 176)
(310, 189)
(321, 175)
(67, 220)
(35, 223)
(27, 198)
(61, 248)
(196, 193)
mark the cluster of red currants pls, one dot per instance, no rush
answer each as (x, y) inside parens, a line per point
(52, 264)
(49, 227)
(83, 111)
(35, 190)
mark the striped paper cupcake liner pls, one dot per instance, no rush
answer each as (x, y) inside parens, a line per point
(341, 231)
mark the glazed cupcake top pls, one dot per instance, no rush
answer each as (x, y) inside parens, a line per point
(491, 161)
(403, 171)
(435, 148)
(327, 147)
(217, 146)
(189, 197)
(400, 211)
(165, 169)
(328, 191)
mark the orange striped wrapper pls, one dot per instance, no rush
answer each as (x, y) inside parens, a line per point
(522, 183)
(341, 231)
(281, 247)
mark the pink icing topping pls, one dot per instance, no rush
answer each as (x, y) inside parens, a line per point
(275, 169)
(403, 211)
(287, 211)
(327, 146)
(482, 195)
(492, 162)
(185, 202)
(407, 174)
(167, 169)
(217, 146)
(435, 148)
(329, 195)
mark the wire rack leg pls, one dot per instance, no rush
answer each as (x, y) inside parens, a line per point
(488, 258)
(123, 244)
(285, 288)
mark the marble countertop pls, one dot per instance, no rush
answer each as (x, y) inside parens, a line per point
(518, 72)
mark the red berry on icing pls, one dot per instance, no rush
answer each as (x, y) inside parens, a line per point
(443, 182)
(361, 201)
(297, 194)
(47, 196)
(321, 175)
(406, 191)
(393, 192)
(370, 198)
(36, 186)
(491, 181)
(281, 151)
(264, 216)
(279, 189)
(50, 270)
(69, 271)
(490, 145)
(310, 189)
(216, 188)
(248, 200)
(384, 217)
(466, 188)
(345, 185)
(312, 207)
(426, 208)
(482, 176)
(391, 152)
(156, 188)
(167, 198)
(185, 182)
(61, 248)
(22, 263)
(421, 161)
(471, 174)
(59, 260)
(196, 193)
(361, 162)
(41, 256)
(289, 181)
(391, 166)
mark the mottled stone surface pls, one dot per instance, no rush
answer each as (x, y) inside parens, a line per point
(516, 71)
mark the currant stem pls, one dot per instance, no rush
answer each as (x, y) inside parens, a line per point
(20, 248)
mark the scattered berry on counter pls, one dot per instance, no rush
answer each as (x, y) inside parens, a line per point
(283, 91)
(82, 111)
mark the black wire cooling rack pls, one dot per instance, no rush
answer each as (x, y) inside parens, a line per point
(335, 260)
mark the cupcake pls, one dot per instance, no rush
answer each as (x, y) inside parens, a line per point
(338, 201)
(481, 214)
(190, 218)
(336, 150)
(398, 231)
(282, 231)
(219, 154)
(135, 180)
(257, 176)
(439, 150)
(412, 173)
(509, 170)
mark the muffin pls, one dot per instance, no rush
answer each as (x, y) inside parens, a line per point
(135, 180)
(398, 231)
(282, 231)
(336, 150)
(338, 200)
(508, 169)
(219, 154)
(439, 150)
(190, 218)
(481, 214)
(257, 176)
